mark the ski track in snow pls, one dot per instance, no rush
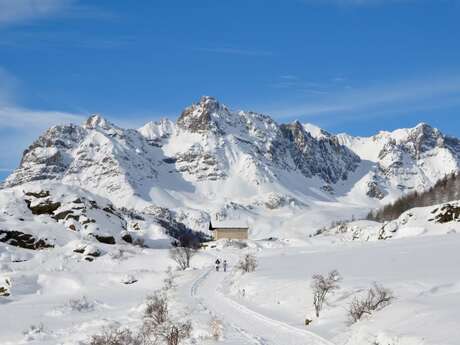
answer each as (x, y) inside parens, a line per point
(253, 326)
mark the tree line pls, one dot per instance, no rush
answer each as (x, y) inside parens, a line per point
(445, 190)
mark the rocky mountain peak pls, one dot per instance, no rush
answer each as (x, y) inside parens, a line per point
(209, 103)
(203, 117)
(421, 139)
(97, 121)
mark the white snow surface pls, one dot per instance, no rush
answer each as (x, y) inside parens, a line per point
(70, 299)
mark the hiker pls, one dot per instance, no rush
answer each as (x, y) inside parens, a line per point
(217, 265)
(225, 265)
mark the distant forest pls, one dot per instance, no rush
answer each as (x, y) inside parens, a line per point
(445, 190)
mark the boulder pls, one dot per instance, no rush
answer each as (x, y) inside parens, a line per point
(23, 240)
(104, 239)
(45, 207)
(126, 236)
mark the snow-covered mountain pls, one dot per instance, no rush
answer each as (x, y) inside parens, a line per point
(208, 147)
(215, 162)
(405, 159)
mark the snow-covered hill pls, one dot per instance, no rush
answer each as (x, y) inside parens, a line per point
(420, 221)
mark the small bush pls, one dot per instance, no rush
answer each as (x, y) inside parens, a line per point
(35, 329)
(377, 298)
(116, 336)
(248, 263)
(157, 309)
(157, 327)
(81, 305)
(182, 256)
(5, 289)
(216, 329)
(169, 280)
(172, 333)
(322, 286)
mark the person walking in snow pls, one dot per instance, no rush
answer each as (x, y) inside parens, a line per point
(225, 265)
(217, 265)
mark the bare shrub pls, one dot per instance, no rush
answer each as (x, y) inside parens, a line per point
(377, 297)
(173, 333)
(157, 327)
(169, 280)
(5, 289)
(34, 332)
(116, 336)
(156, 310)
(248, 263)
(216, 329)
(322, 286)
(81, 305)
(182, 256)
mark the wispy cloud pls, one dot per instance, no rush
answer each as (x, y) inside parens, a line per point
(71, 39)
(298, 84)
(24, 11)
(385, 99)
(14, 116)
(236, 51)
(19, 126)
(8, 85)
(21, 118)
(16, 11)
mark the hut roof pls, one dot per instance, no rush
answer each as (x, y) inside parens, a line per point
(228, 224)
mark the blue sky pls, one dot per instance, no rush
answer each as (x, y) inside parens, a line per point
(347, 65)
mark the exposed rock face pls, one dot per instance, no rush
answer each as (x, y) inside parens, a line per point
(43, 207)
(201, 117)
(104, 239)
(374, 190)
(22, 240)
(324, 157)
(127, 237)
(202, 165)
(447, 213)
(47, 157)
(275, 201)
(266, 146)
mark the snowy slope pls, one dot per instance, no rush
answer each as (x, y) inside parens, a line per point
(420, 271)
(421, 221)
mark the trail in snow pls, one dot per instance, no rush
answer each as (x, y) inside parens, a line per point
(246, 326)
